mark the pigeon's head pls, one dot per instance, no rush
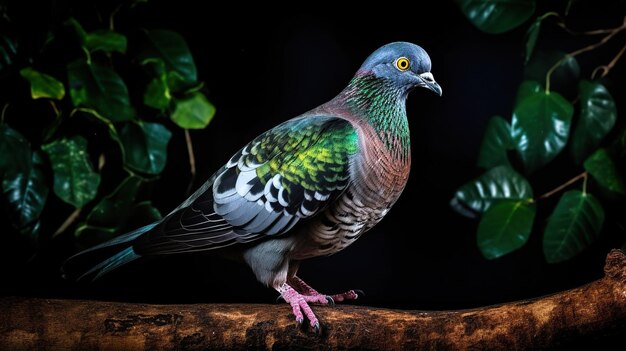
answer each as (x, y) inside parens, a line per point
(404, 64)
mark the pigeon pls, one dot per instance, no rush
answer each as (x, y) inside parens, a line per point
(308, 187)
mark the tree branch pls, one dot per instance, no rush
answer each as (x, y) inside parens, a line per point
(593, 310)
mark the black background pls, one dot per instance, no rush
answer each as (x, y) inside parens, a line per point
(262, 69)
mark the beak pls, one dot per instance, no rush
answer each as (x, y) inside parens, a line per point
(428, 81)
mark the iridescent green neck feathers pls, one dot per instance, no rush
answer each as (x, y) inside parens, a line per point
(383, 105)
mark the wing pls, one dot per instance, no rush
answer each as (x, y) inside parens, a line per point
(283, 176)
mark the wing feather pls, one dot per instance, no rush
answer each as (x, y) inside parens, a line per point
(283, 176)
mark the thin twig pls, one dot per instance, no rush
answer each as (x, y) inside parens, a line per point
(563, 186)
(112, 16)
(591, 32)
(548, 14)
(68, 222)
(57, 113)
(192, 161)
(4, 110)
(603, 41)
(606, 68)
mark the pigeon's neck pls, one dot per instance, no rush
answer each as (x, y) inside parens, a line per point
(383, 106)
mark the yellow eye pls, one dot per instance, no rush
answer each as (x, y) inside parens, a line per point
(403, 63)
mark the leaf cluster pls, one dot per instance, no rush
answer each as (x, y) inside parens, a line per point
(543, 125)
(106, 102)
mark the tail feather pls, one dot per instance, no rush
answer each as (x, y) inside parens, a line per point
(110, 248)
(125, 256)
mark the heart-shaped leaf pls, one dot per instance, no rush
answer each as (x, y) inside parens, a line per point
(99, 87)
(565, 77)
(157, 94)
(499, 183)
(78, 29)
(496, 142)
(143, 213)
(105, 40)
(531, 38)
(497, 16)
(26, 195)
(43, 85)
(505, 227)
(172, 49)
(526, 89)
(194, 112)
(540, 128)
(573, 226)
(75, 181)
(145, 146)
(113, 210)
(597, 117)
(87, 236)
(603, 169)
(15, 154)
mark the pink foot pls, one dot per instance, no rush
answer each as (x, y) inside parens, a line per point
(299, 306)
(348, 295)
(311, 295)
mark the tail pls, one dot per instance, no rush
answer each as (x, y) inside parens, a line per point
(96, 253)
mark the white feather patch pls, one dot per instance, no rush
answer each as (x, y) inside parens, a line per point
(243, 185)
(321, 197)
(307, 195)
(281, 199)
(217, 195)
(268, 191)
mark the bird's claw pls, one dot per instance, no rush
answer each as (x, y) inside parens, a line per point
(316, 328)
(330, 300)
(348, 295)
(279, 298)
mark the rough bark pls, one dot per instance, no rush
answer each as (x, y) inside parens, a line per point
(593, 310)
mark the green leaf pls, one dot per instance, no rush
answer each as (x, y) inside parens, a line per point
(531, 38)
(147, 212)
(105, 40)
(527, 88)
(43, 85)
(75, 181)
(573, 226)
(540, 128)
(78, 29)
(496, 142)
(99, 87)
(177, 83)
(564, 77)
(15, 154)
(26, 195)
(172, 49)
(157, 94)
(604, 170)
(497, 16)
(597, 117)
(504, 228)
(143, 213)
(116, 213)
(113, 210)
(145, 146)
(87, 236)
(499, 183)
(194, 112)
